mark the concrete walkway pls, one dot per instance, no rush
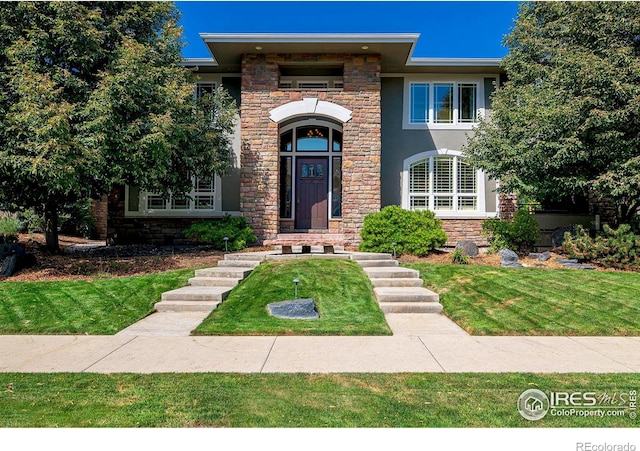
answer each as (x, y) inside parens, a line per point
(421, 343)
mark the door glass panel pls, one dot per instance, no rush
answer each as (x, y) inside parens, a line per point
(337, 141)
(312, 139)
(286, 172)
(336, 188)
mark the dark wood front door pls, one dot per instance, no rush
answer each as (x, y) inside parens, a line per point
(312, 186)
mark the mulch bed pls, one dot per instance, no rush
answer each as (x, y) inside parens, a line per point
(85, 259)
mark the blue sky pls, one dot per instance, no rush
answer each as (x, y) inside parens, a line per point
(456, 29)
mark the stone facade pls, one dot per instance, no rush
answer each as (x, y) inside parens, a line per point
(259, 179)
(464, 230)
(100, 212)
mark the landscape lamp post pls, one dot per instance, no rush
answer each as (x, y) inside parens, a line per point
(295, 295)
(394, 249)
(226, 240)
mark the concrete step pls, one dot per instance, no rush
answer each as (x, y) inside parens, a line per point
(186, 306)
(252, 256)
(238, 264)
(231, 272)
(391, 273)
(358, 256)
(410, 307)
(398, 282)
(405, 294)
(214, 282)
(377, 263)
(209, 294)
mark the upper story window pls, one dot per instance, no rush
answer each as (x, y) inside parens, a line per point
(443, 103)
(313, 77)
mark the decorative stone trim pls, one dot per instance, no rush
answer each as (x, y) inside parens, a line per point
(310, 106)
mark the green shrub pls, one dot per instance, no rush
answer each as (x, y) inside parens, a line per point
(518, 234)
(32, 221)
(414, 232)
(77, 219)
(459, 258)
(9, 224)
(613, 248)
(213, 232)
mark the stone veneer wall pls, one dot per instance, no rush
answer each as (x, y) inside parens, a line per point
(259, 179)
(464, 230)
(100, 212)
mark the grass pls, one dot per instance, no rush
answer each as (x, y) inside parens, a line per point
(298, 400)
(95, 307)
(340, 289)
(532, 301)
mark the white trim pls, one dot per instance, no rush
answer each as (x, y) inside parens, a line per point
(479, 213)
(307, 106)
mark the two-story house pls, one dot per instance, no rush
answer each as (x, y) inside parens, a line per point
(333, 127)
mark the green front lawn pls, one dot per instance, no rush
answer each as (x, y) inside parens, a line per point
(95, 307)
(340, 289)
(532, 301)
(296, 400)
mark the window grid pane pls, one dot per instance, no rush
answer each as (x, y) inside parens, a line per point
(443, 107)
(156, 203)
(419, 203)
(419, 103)
(467, 111)
(443, 175)
(419, 177)
(443, 203)
(467, 180)
(467, 203)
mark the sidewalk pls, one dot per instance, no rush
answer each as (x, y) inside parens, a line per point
(421, 343)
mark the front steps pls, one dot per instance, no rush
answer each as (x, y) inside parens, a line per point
(210, 286)
(398, 290)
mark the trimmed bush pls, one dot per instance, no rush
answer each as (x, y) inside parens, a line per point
(213, 232)
(618, 249)
(519, 234)
(414, 232)
(10, 226)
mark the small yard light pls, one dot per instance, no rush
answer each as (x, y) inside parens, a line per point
(394, 249)
(226, 240)
(296, 281)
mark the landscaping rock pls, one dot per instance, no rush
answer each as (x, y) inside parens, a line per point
(557, 238)
(541, 256)
(468, 248)
(298, 309)
(509, 259)
(578, 266)
(566, 260)
(15, 263)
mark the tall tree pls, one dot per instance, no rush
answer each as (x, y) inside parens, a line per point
(567, 121)
(93, 94)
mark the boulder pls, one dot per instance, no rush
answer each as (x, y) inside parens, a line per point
(541, 256)
(297, 309)
(557, 238)
(468, 248)
(509, 259)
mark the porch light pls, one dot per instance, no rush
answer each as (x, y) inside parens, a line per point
(226, 240)
(296, 282)
(365, 47)
(258, 47)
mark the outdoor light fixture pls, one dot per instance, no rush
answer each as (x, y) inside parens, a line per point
(365, 47)
(296, 281)
(226, 240)
(258, 47)
(394, 249)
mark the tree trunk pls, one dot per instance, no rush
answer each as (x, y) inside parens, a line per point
(51, 228)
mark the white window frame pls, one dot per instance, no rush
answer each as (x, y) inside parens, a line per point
(431, 81)
(169, 212)
(480, 211)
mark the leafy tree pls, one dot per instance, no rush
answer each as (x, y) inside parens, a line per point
(92, 94)
(567, 121)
